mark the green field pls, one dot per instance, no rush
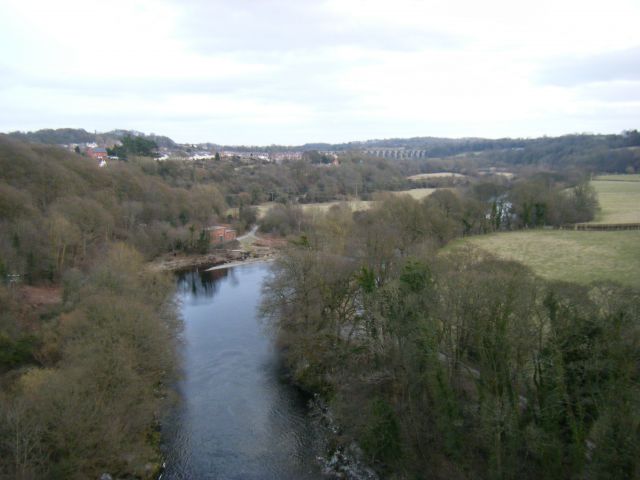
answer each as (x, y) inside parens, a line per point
(635, 177)
(567, 255)
(619, 197)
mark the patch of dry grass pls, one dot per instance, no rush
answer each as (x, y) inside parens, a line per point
(354, 205)
(581, 257)
(619, 197)
(416, 193)
(428, 176)
(635, 177)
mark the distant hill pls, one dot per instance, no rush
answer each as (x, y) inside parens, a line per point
(56, 137)
(441, 146)
(160, 140)
(65, 136)
(601, 153)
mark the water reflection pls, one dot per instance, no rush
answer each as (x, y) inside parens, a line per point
(201, 284)
(236, 419)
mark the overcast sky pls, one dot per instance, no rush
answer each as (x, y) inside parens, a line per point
(289, 72)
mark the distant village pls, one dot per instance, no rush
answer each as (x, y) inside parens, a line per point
(108, 146)
(196, 152)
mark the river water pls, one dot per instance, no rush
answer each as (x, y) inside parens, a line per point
(235, 418)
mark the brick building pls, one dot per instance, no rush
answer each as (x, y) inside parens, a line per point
(221, 234)
(97, 153)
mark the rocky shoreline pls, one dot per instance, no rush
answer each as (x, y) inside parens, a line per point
(339, 459)
(249, 248)
(219, 259)
(176, 262)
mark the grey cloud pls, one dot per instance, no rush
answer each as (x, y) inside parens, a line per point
(305, 83)
(8, 77)
(614, 92)
(276, 25)
(151, 87)
(610, 66)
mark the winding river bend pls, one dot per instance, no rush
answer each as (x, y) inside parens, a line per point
(236, 419)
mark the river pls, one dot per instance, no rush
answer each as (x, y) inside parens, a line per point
(235, 418)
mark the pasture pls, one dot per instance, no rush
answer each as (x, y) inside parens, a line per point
(581, 257)
(416, 193)
(354, 205)
(431, 176)
(619, 197)
(632, 177)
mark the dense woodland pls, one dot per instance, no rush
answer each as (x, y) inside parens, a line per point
(438, 364)
(82, 384)
(81, 379)
(57, 207)
(292, 182)
(453, 364)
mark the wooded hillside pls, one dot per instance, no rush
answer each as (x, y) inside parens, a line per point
(456, 365)
(87, 334)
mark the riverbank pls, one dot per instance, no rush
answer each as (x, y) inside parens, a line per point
(239, 263)
(249, 248)
(209, 261)
(341, 458)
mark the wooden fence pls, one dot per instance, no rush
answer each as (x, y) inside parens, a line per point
(608, 227)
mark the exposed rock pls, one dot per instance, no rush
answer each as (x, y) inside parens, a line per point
(340, 461)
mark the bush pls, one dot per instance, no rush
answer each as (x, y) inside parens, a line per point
(283, 220)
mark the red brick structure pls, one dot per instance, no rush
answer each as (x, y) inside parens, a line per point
(229, 234)
(97, 153)
(221, 234)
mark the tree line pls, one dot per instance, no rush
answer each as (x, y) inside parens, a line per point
(65, 136)
(479, 206)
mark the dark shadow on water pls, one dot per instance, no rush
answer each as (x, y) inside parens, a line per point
(201, 284)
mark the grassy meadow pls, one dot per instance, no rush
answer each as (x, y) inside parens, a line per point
(631, 177)
(579, 256)
(431, 176)
(619, 197)
(567, 255)
(355, 205)
(416, 193)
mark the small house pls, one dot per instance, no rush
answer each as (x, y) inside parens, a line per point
(221, 234)
(97, 153)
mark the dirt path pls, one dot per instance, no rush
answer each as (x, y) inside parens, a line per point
(250, 235)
